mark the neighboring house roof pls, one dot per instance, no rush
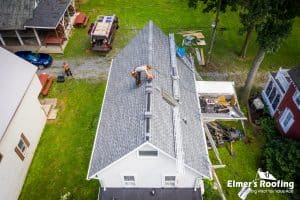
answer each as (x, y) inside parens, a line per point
(48, 14)
(14, 13)
(122, 124)
(295, 76)
(15, 77)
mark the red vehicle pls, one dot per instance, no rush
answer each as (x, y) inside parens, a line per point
(102, 32)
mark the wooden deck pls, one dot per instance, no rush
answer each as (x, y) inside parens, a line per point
(145, 194)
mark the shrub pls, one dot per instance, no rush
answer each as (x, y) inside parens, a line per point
(210, 193)
(281, 156)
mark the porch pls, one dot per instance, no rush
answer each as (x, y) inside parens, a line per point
(47, 31)
(149, 194)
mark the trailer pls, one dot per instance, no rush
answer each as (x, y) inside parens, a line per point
(102, 33)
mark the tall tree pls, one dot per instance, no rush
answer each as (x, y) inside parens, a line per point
(216, 6)
(252, 13)
(276, 27)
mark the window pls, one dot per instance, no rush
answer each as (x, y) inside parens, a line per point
(286, 120)
(170, 180)
(296, 98)
(268, 90)
(276, 101)
(272, 95)
(21, 147)
(148, 153)
(129, 180)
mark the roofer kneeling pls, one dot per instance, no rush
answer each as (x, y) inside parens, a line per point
(136, 73)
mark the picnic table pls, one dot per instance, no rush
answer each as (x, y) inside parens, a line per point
(53, 39)
(81, 20)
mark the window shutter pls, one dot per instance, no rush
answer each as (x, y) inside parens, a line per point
(26, 141)
(19, 153)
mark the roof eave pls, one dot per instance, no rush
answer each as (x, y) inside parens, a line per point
(39, 27)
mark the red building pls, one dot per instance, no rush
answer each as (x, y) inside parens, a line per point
(282, 96)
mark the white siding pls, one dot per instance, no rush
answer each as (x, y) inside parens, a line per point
(30, 120)
(148, 171)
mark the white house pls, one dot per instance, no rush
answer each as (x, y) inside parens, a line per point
(150, 139)
(22, 120)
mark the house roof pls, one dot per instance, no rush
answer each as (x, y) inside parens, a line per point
(295, 76)
(215, 87)
(16, 75)
(48, 14)
(122, 123)
(14, 13)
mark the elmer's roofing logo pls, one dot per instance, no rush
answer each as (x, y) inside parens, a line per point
(264, 182)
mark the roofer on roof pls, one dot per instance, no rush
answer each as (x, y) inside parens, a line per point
(136, 73)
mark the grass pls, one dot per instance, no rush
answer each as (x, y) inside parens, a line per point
(244, 164)
(174, 16)
(61, 160)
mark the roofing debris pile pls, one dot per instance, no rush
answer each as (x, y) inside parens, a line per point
(194, 39)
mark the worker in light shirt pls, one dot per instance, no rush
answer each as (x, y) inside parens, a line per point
(136, 73)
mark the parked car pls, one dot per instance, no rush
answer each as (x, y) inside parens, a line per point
(41, 60)
(102, 33)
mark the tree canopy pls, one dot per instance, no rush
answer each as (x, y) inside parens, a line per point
(274, 28)
(212, 5)
(281, 156)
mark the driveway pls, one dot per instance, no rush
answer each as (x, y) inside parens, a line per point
(91, 68)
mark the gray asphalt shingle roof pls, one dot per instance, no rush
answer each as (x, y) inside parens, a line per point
(14, 13)
(48, 13)
(122, 125)
(295, 76)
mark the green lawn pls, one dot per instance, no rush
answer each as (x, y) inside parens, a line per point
(174, 16)
(61, 160)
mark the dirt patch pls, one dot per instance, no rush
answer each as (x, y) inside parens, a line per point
(238, 77)
(92, 68)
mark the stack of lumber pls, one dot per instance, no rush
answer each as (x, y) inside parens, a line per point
(49, 107)
(46, 81)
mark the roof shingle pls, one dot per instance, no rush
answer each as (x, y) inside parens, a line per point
(48, 14)
(122, 123)
(14, 13)
(295, 76)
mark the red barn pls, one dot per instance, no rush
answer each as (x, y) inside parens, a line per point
(282, 96)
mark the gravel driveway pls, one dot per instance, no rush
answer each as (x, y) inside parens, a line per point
(92, 68)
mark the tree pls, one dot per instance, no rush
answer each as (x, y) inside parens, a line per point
(281, 156)
(216, 6)
(275, 27)
(251, 14)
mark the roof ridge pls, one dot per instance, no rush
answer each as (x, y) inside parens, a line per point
(148, 89)
(176, 114)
